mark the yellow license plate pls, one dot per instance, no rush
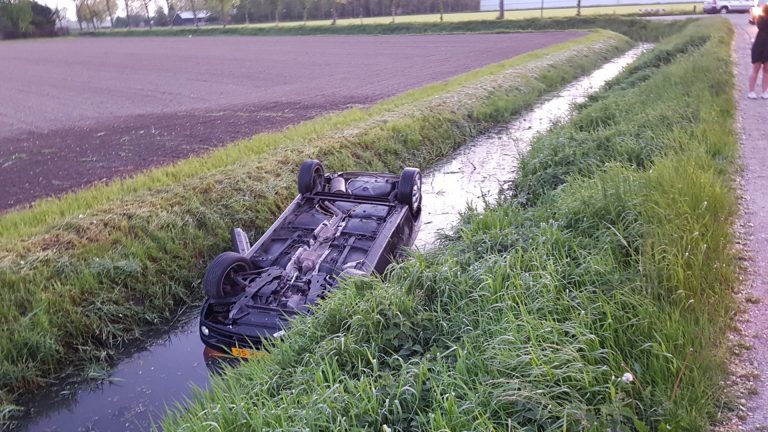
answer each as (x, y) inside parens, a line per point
(246, 353)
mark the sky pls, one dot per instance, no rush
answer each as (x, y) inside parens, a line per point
(70, 5)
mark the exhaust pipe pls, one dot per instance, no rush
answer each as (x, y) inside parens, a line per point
(338, 185)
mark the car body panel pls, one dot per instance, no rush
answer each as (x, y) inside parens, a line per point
(320, 238)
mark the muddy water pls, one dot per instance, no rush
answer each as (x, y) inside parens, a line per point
(144, 384)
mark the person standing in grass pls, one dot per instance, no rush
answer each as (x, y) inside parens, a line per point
(760, 55)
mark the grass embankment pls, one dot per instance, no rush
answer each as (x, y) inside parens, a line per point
(611, 256)
(638, 29)
(625, 10)
(81, 275)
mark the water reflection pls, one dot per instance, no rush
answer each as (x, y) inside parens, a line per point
(474, 174)
(216, 362)
(139, 389)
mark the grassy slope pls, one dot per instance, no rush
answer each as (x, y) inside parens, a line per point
(81, 275)
(449, 18)
(611, 256)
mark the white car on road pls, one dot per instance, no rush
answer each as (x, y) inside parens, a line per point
(725, 6)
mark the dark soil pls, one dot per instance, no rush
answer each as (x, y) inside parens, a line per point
(35, 165)
(78, 111)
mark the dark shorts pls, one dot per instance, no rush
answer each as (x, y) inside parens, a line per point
(760, 51)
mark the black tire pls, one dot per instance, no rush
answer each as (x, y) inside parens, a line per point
(311, 176)
(724, 10)
(220, 277)
(409, 189)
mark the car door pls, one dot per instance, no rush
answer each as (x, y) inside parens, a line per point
(741, 5)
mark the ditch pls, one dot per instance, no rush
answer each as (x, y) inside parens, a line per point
(138, 391)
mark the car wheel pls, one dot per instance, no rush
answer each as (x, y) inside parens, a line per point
(409, 189)
(221, 279)
(724, 10)
(311, 176)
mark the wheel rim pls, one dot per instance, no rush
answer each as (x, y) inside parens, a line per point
(416, 192)
(317, 178)
(232, 284)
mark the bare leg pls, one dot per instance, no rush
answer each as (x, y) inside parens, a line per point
(753, 77)
(765, 77)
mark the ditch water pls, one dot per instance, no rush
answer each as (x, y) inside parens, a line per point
(474, 174)
(145, 383)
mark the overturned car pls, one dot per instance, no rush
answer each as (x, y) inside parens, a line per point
(340, 225)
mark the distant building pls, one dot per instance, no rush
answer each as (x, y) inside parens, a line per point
(188, 18)
(493, 5)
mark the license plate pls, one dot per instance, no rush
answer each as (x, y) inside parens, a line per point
(246, 353)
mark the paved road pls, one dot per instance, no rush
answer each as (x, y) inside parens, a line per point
(75, 111)
(682, 17)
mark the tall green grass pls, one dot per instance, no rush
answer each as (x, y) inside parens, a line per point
(610, 257)
(81, 276)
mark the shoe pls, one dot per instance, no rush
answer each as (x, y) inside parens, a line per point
(765, 95)
(752, 95)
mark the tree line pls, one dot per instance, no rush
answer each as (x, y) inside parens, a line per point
(26, 18)
(91, 13)
(303, 10)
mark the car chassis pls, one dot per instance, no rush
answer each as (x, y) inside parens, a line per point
(340, 225)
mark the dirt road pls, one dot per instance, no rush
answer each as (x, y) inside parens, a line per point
(77, 111)
(754, 153)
